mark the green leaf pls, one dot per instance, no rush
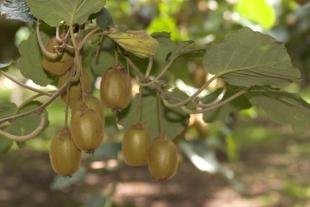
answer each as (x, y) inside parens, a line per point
(282, 107)
(60, 182)
(25, 125)
(259, 12)
(6, 109)
(98, 201)
(5, 144)
(69, 11)
(30, 62)
(170, 49)
(104, 19)
(108, 150)
(105, 61)
(248, 58)
(173, 122)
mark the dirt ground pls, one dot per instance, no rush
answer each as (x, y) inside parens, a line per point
(272, 176)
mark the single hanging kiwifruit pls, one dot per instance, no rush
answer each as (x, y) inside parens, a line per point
(135, 145)
(64, 156)
(92, 103)
(61, 64)
(116, 88)
(163, 159)
(87, 128)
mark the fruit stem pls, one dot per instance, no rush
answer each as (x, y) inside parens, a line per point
(141, 104)
(159, 116)
(149, 68)
(67, 106)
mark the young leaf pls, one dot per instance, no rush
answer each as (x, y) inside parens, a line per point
(173, 122)
(282, 107)
(69, 11)
(247, 58)
(16, 10)
(30, 62)
(137, 42)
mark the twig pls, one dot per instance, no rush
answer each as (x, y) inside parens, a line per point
(149, 67)
(24, 85)
(159, 116)
(34, 133)
(236, 95)
(41, 107)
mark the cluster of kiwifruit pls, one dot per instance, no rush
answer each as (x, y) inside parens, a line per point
(87, 122)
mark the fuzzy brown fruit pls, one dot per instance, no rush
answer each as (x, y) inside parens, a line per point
(61, 64)
(64, 156)
(163, 159)
(135, 146)
(75, 90)
(116, 88)
(86, 128)
(92, 103)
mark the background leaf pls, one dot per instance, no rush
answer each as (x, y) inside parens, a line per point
(61, 182)
(70, 11)
(30, 62)
(254, 11)
(282, 107)
(173, 122)
(248, 58)
(104, 19)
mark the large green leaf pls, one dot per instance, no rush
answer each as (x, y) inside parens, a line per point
(173, 122)
(168, 49)
(248, 58)
(30, 62)
(70, 11)
(283, 107)
(259, 12)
